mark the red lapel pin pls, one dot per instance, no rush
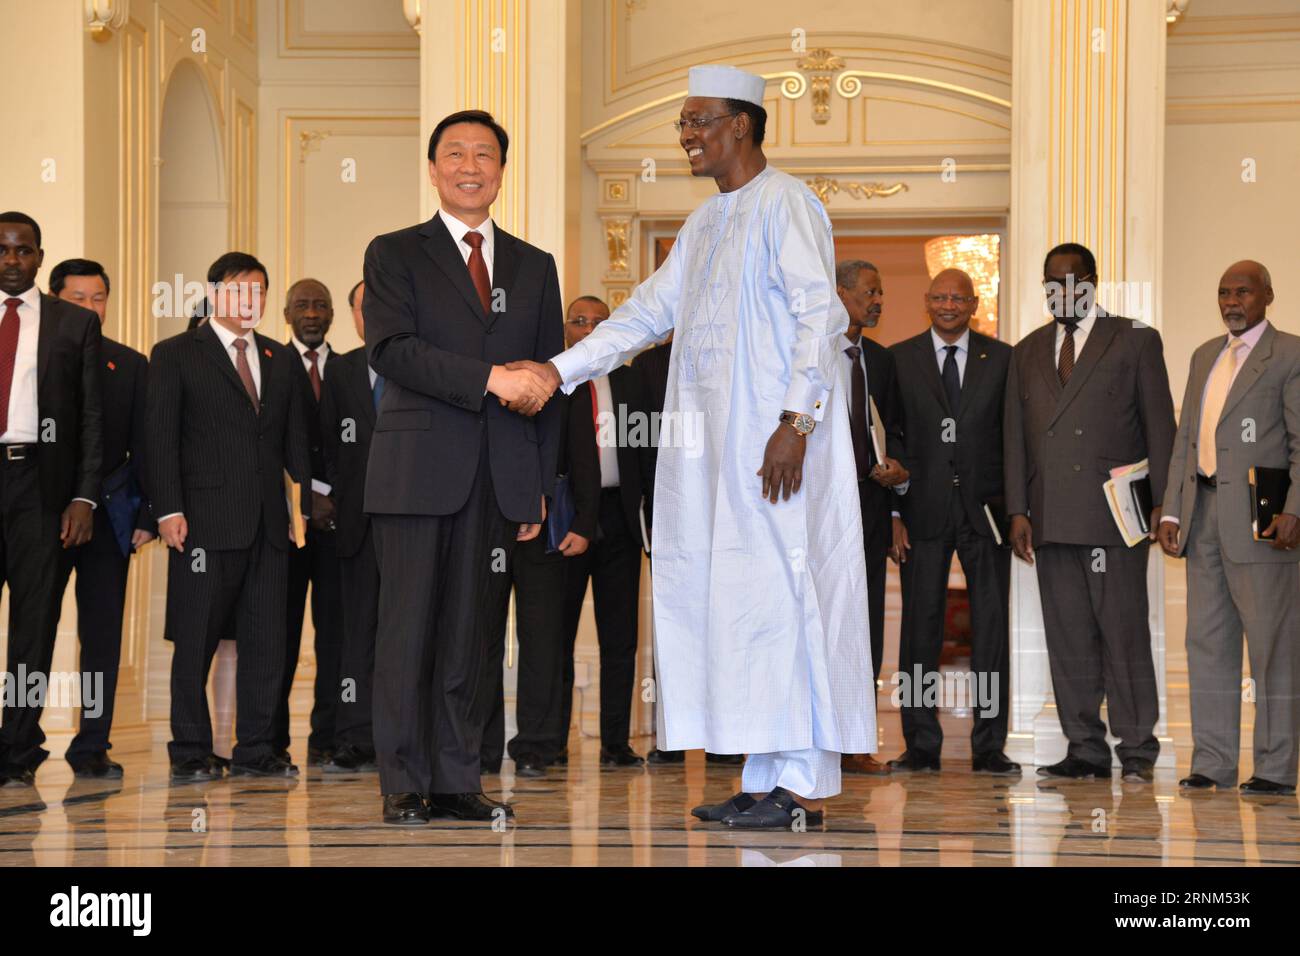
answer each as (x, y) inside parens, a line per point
(112, 367)
(266, 352)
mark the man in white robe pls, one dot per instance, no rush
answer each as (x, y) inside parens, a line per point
(760, 595)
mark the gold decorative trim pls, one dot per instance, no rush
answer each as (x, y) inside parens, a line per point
(825, 187)
(296, 39)
(617, 246)
(821, 64)
(105, 17)
(849, 84)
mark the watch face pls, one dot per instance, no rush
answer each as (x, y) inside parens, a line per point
(803, 424)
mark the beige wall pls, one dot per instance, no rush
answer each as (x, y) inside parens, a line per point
(1234, 96)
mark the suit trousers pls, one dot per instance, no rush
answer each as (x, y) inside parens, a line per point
(924, 579)
(316, 564)
(101, 600)
(441, 579)
(359, 575)
(212, 595)
(1099, 646)
(30, 561)
(539, 580)
(877, 538)
(1224, 599)
(613, 565)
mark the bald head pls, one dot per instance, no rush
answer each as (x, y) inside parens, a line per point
(1245, 293)
(309, 309)
(950, 302)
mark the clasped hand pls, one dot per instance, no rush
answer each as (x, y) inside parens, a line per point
(523, 386)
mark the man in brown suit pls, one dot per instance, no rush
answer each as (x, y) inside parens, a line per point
(1241, 410)
(1068, 422)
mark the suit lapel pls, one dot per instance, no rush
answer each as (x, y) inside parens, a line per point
(441, 248)
(211, 346)
(1199, 375)
(1250, 373)
(1044, 359)
(505, 265)
(926, 356)
(46, 333)
(1103, 330)
(359, 381)
(977, 357)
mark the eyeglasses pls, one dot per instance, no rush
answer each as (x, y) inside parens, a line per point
(699, 122)
(583, 322)
(951, 297)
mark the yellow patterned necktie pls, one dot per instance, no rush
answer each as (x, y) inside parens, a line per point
(1216, 393)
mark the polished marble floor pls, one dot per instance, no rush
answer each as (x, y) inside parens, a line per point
(588, 816)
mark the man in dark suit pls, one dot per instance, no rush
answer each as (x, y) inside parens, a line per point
(613, 561)
(349, 397)
(1085, 394)
(457, 478)
(870, 386)
(953, 392)
(102, 563)
(309, 312)
(544, 683)
(51, 454)
(225, 423)
(1241, 411)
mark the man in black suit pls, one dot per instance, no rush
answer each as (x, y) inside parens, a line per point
(51, 453)
(1067, 424)
(225, 422)
(102, 563)
(309, 312)
(539, 578)
(613, 561)
(457, 478)
(953, 382)
(349, 397)
(870, 386)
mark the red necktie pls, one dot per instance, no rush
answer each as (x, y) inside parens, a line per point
(1065, 364)
(314, 374)
(246, 373)
(478, 270)
(8, 356)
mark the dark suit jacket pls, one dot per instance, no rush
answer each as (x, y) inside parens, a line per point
(651, 367)
(883, 389)
(124, 380)
(975, 458)
(311, 412)
(1061, 443)
(428, 335)
(624, 386)
(68, 397)
(210, 455)
(347, 423)
(577, 459)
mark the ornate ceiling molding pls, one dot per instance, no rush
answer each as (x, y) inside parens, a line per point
(105, 17)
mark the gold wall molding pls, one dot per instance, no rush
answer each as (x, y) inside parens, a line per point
(105, 17)
(297, 40)
(826, 187)
(849, 84)
(821, 64)
(617, 246)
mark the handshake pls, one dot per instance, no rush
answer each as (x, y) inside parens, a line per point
(523, 386)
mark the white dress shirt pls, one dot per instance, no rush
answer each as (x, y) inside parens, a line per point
(963, 348)
(322, 353)
(458, 230)
(607, 450)
(227, 339)
(24, 416)
(1080, 335)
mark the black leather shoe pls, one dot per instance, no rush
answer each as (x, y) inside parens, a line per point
(1072, 768)
(284, 755)
(530, 765)
(193, 770)
(562, 758)
(219, 766)
(658, 756)
(727, 760)
(319, 756)
(488, 769)
(1196, 781)
(96, 765)
(405, 809)
(1258, 787)
(271, 765)
(913, 761)
(351, 759)
(715, 812)
(779, 810)
(620, 756)
(997, 763)
(467, 806)
(1137, 770)
(17, 777)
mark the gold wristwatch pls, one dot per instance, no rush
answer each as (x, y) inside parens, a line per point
(800, 422)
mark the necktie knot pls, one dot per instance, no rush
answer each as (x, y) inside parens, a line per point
(853, 351)
(13, 303)
(240, 344)
(951, 350)
(1070, 327)
(311, 355)
(473, 239)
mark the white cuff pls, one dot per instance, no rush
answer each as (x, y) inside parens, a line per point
(320, 487)
(92, 504)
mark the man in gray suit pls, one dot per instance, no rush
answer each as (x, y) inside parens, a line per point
(1067, 424)
(1241, 410)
